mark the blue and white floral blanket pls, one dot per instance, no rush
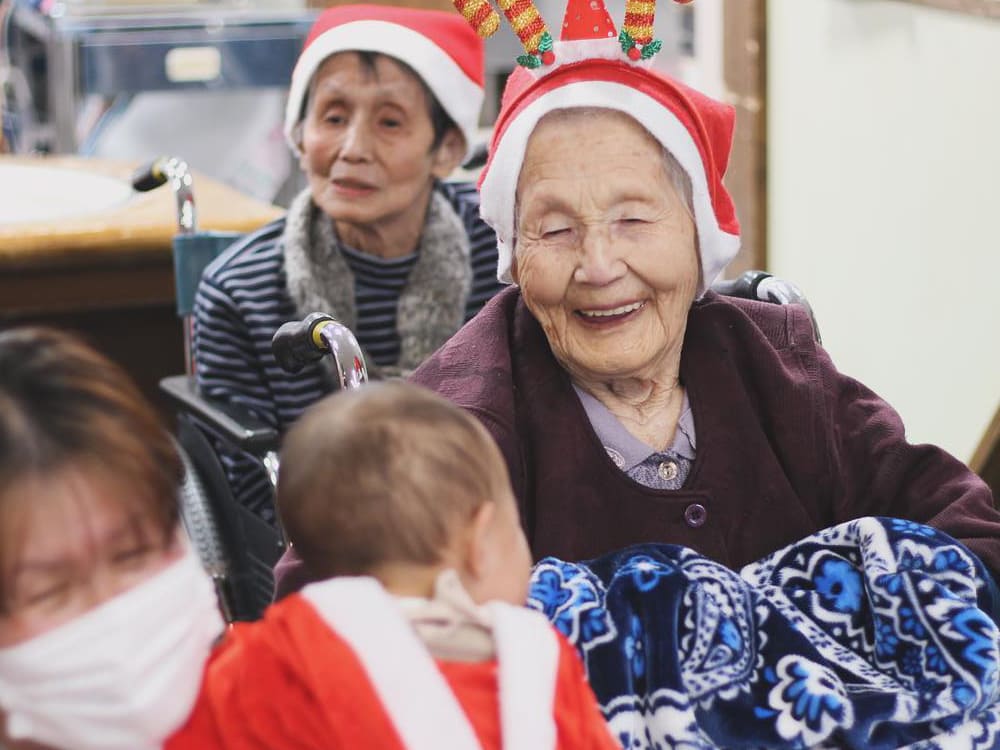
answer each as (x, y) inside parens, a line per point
(877, 633)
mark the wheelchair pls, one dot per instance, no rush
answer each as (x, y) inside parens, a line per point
(237, 548)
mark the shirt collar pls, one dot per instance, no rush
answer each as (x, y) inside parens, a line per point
(625, 449)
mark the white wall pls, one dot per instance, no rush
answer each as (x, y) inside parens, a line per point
(704, 71)
(884, 199)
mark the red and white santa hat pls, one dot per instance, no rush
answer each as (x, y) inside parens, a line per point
(593, 66)
(438, 45)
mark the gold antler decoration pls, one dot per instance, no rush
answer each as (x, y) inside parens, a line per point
(480, 15)
(584, 23)
(636, 36)
(524, 19)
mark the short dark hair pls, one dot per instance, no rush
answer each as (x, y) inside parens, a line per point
(63, 405)
(441, 121)
(383, 474)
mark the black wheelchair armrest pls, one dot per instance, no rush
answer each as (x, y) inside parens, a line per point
(233, 424)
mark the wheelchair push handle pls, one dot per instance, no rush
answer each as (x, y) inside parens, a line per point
(743, 286)
(166, 169)
(293, 344)
(150, 176)
(762, 286)
(477, 158)
(299, 342)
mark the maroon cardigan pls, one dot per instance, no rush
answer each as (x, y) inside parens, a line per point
(786, 444)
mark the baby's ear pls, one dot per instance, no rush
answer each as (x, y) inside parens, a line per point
(477, 558)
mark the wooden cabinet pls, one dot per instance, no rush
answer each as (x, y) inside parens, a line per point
(108, 275)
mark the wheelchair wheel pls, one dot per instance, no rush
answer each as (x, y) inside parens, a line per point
(199, 520)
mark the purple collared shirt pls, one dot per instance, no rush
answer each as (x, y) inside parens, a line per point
(663, 470)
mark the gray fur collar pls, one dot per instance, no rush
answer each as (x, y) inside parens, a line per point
(432, 305)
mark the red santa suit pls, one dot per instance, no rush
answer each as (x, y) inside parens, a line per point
(345, 664)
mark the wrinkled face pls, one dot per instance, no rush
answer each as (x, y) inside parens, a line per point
(75, 545)
(605, 251)
(366, 142)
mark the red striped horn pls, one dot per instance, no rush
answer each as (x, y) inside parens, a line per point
(480, 14)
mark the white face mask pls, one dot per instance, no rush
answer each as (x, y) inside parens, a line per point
(124, 676)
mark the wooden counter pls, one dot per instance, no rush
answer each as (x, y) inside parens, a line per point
(109, 275)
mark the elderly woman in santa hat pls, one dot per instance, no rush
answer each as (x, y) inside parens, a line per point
(384, 104)
(631, 402)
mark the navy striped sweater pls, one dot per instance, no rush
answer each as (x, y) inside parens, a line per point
(243, 299)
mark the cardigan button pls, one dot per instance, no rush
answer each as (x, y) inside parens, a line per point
(667, 471)
(695, 515)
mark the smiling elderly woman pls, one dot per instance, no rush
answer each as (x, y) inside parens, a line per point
(384, 103)
(632, 403)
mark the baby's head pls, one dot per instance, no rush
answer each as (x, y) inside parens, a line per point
(395, 482)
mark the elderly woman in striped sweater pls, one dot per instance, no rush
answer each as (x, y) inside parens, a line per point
(383, 105)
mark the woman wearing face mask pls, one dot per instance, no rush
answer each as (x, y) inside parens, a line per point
(106, 616)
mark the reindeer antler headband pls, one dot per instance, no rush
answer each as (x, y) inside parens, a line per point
(592, 66)
(587, 31)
